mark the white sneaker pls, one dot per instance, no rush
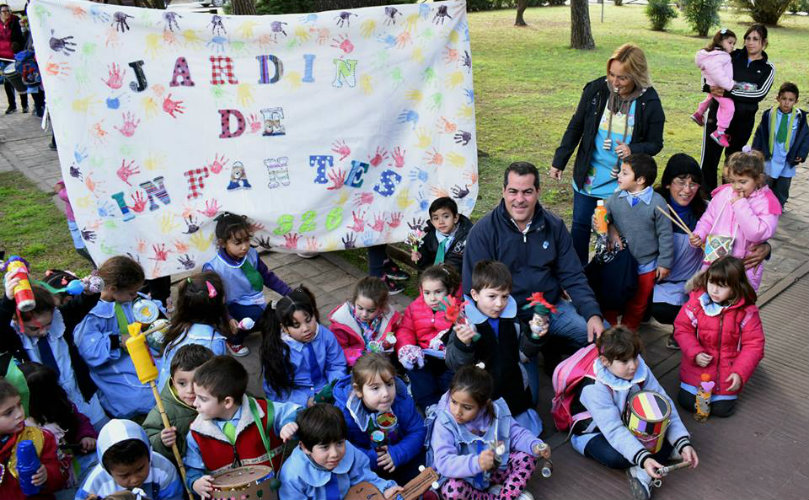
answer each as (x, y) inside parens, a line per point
(239, 350)
(639, 482)
(525, 495)
(495, 489)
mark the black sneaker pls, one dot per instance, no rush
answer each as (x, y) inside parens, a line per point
(393, 287)
(25, 109)
(11, 109)
(393, 272)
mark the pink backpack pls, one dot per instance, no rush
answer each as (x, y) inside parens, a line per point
(566, 378)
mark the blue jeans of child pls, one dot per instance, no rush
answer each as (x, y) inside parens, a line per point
(600, 450)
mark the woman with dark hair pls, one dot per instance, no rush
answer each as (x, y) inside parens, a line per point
(617, 115)
(754, 75)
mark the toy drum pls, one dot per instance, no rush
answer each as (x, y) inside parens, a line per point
(647, 416)
(14, 78)
(243, 483)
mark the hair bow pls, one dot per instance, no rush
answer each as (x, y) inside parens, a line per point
(747, 149)
(211, 290)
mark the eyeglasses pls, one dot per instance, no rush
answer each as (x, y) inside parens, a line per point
(681, 184)
(4, 11)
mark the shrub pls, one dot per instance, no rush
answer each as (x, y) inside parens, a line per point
(702, 15)
(763, 11)
(660, 13)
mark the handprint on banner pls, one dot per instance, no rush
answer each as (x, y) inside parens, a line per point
(180, 246)
(367, 28)
(88, 235)
(218, 164)
(395, 220)
(418, 174)
(398, 157)
(359, 224)
(141, 246)
(291, 241)
(253, 124)
(450, 55)
(75, 172)
(463, 137)
(423, 138)
(167, 223)
(187, 262)
(125, 171)
(191, 225)
(379, 156)
(311, 244)
(130, 124)
(263, 242)
(364, 198)
(340, 147)
(349, 241)
(200, 241)
(57, 68)
(379, 223)
(211, 208)
(445, 126)
(338, 177)
(409, 116)
(160, 252)
(403, 199)
(434, 158)
(171, 106)
(456, 160)
(439, 192)
(343, 43)
(460, 192)
(138, 202)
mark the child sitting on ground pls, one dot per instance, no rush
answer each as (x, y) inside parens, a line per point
(51, 475)
(783, 138)
(424, 328)
(245, 275)
(740, 215)
(620, 373)
(300, 358)
(51, 409)
(101, 338)
(444, 240)
(492, 334)
(127, 462)
(464, 425)
(636, 217)
(231, 429)
(720, 333)
(42, 333)
(325, 465)
(200, 317)
(382, 419)
(366, 322)
(178, 400)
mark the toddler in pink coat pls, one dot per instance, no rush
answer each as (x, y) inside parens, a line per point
(741, 214)
(717, 70)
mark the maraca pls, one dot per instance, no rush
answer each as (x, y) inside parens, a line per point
(23, 295)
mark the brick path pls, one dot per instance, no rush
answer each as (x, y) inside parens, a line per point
(759, 453)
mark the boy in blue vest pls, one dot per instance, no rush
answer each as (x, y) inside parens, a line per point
(783, 137)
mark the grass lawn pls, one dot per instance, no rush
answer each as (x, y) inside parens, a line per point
(34, 227)
(528, 83)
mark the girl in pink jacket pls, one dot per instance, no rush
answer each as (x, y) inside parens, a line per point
(719, 331)
(419, 342)
(717, 70)
(740, 215)
(366, 322)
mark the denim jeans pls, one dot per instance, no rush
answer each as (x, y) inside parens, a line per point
(568, 324)
(583, 208)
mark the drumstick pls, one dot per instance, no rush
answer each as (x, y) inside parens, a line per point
(675, 222)
(664, 471)
(676, 215)
(174, 449)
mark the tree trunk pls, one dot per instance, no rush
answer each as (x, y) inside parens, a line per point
(244, 7)
(521, 6)
(581, 37)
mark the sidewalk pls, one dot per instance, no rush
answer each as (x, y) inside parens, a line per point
(759, 453)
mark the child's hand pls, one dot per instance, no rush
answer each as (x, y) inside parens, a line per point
(542, 451)
(486, 460)
(614, 241)
(288, 431)
(10, 283)
(735, 382)
(650, 466)
(393, 491)
(203, 486)
(539, 325)
(690, 455)
(695, 240)
(41, 475)
(234, 325)
(703, 359)
(88, 444)
(169, 436)
(465, 333)
(384, 460)
(415, 256)
(662, 273)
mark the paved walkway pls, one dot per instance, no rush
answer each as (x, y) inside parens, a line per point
(760, 453)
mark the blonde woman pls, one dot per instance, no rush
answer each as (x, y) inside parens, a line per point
(617, 115)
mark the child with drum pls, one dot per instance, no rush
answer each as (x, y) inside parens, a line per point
(233, 429)
(325, 465)
(382, 419)
(127, 462)
(634, 424)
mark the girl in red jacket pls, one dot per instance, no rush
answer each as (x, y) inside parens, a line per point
(366, 322)
(50, 476)
(720, 333)
(421, 333)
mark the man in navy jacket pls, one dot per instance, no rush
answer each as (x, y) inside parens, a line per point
(538, 250)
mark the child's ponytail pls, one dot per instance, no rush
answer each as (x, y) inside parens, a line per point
(200, 299)
(278, 370)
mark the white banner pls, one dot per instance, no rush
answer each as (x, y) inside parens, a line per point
(329, 130)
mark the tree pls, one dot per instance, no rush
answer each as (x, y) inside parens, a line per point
(521, 6)
(244, 7)
(581, 36)
(764, 11)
